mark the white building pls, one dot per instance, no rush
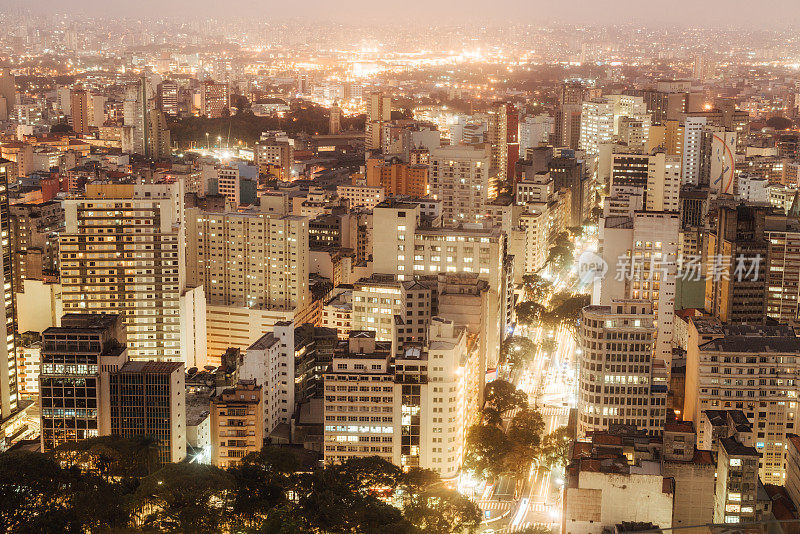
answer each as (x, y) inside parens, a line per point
(617, 377)
(123, 252)
(361, 196)
(270, 362)
(459, 177)
(641, 254)
(692, 149)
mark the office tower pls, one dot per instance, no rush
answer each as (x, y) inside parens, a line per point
(692, 143)
(658, 175)
(460, 177)
(135, 118)
(335, 121)
(743, 367)
(270, 362)
(148, 399)
(274, 156)
(123, 252)
(77, 358)
(617, 373)
(406, 249)
(535, 131)
(736, 283)
(167, 98)
(8, 373)
(390, 308)
(640, 250)
(736, 491)
(79, 107)
(597, 125)
(430, 384)
(237, 425)
(571, 173)
(8, 94)
(782, 268)
(215, 99)
(254, 268)
(498, 138)
(567, 125)
(379, 111)
(34, 240)
(570, 93)
(159, 143)
(398, 178)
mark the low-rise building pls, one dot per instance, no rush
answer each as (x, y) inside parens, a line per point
(237, 424)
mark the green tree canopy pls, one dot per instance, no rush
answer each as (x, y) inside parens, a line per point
(529, 313)
(517, 351)
(535, 287)
(556, 448)
(504, 396)
(486, 449)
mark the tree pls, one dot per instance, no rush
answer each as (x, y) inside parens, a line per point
(525, 434)
(535, 287)
(559, 257)
(548, 345)
(517, 350)
(528, 313)
(490, 416)
(566, 312)
(526, 428)
(504, 396)
(32, 494)
(556, 448)
(486, 449)
(442, 511)
(186, 497)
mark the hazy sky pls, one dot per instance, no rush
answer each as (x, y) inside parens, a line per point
(759, 13)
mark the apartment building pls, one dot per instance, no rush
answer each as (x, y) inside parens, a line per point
(123, 252)
(748, 368)
(618, 380)
(237, 424)
(460, 178)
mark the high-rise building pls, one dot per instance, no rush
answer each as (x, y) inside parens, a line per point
(270, 362)
(8, 368)
(76, 360)
(736, 284)
(568, 126)
(460, 177)
(398, 178)
(237, 423)
(782, 268)
(692, 143)
(135, 117)
(335, 121)
(159, 144)
(123, 252)
(498, 138)
(600, 119)
(274, 156)
(148, 399)
(640, 250)
(379, 111)
(390, 308)
(658, 175)
(167, 98)
(406, 249)
(8, 94)
(254, 268)
(34, 239)
(617, 382)
(743, 367)
(79, 108)
(215, 99)
(535, 131)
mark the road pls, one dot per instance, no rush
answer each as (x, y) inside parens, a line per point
(551, 385)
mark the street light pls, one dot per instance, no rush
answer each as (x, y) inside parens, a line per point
(208, 147)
